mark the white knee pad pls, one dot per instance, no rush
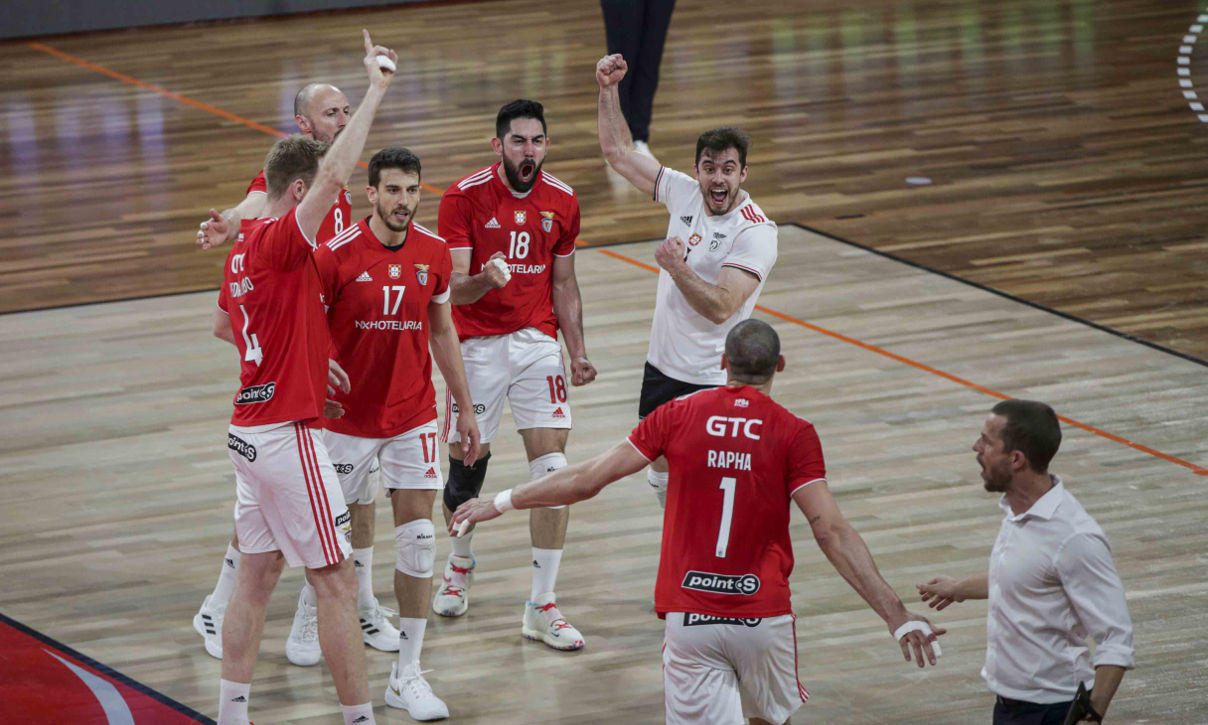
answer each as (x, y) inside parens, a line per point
(658, 482)
(415, 545)
(548, 463)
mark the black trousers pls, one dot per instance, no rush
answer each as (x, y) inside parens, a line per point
(1018, 712)
(637, 30)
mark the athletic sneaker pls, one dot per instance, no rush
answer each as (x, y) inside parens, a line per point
(453, 597)
(208, 623)
(408, 690)
(543, 621)
(376, 628)
(302, 646)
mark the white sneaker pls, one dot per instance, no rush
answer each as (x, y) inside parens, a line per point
(302, 646)
(643, 148)
(408, 690)
(453, 597)
(543, 621)
(208, 623)
(376, 629)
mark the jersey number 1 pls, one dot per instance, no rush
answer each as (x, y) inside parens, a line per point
(252, 351)
(727, 486)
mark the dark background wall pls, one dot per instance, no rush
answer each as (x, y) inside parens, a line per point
(24, 18)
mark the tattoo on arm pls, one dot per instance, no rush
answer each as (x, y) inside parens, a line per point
(814, 519)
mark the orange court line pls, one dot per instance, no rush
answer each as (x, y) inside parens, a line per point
(1198, 470)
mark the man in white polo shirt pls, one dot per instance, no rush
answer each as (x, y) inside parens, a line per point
(1051, 581)
(719, 250)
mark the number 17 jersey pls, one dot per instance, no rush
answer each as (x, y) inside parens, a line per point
(736, 457)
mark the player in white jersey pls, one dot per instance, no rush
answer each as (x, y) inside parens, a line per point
(719, 250)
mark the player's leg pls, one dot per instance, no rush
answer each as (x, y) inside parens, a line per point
(208, 620)
(242, 628)
(487, 381)
(411, 472)
(623, 34)
(699, 685)
(656, 17)
(764, 654)
(658, 388)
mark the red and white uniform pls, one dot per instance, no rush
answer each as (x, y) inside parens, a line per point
(378, 300)
(510, 336)
(736, 457)
(481, 214)
(287, 494)
(336, 220)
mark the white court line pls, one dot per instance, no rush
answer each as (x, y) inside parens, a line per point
(1183, 68)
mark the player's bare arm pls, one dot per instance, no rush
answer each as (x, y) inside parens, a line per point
(568, 308)
(615, 139)
(340, 159)
(223, 227)
(943, 590)
(849, 555)
(446, 351)
(715, 302)
(222, 326)
(568, 485)
(466, 288)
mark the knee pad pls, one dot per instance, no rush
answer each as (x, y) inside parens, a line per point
(415, 546)
(658, 482)
(465, 482)
(548, 463)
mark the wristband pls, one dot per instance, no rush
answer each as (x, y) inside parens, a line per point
(916, 626)
(503, 501)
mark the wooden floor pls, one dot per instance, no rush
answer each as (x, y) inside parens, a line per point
(1067, 171)
(118, 497)
(1066, 164)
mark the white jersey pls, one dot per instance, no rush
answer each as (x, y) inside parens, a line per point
(683, 344)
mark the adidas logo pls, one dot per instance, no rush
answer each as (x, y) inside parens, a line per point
(241, 698)
(558, 413)
(364, 277)
(493, 224)
(431, 473)
(687, 220)
(536, 565)
(361, 719)
(357, 564)
(229, 562)
(403, 635)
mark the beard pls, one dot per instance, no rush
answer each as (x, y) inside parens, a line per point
(388, 219)
(995, 481)
(512, 172)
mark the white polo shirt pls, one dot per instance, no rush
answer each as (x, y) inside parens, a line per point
(683, 344)
(1052, 583)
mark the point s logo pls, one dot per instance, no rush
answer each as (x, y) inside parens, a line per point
(256, 394)
(703, 581)
(722, 426)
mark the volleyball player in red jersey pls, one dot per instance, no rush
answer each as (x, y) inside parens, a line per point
(511, 229)
(386, 282)
(738, 460)
(288, 503)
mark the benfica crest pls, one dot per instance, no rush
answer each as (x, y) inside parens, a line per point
(547, 221)
(421, 274)
(521, 217)
(394, 270)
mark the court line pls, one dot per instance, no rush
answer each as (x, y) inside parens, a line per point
(1198, 470)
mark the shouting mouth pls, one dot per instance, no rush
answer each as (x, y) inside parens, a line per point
(718, 196)
(527, 169)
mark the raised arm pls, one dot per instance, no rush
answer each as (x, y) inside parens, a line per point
(715, 302)
(615, 140)
(221, 228)
(568, 308)
(849, 555)
(340, 159)
(466, 288)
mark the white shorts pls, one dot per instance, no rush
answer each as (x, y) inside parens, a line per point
(524, 367)
(287, 496)
(408, 460)
(725, 671)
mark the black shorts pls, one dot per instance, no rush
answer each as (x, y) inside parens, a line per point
(657, 389)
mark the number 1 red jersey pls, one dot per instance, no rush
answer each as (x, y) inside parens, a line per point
(271, 293)
(337, 218)
(378, 301)
(736, 457)
(481, 214)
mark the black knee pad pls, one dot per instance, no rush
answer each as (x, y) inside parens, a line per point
(465, 482)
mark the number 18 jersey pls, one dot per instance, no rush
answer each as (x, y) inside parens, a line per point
(736, 458)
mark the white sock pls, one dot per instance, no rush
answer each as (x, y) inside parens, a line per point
(362, 563)
(226, 578)
(545, 571)
(410, 640)
(358, 714)
(658, 482)
(232, 702)
(461, 545)
(308, 595)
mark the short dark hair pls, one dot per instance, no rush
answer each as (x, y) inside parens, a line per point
(722, 138)
(519, 108)
(753, 352)
(1031, 428)
(292, 158)
(392, 157)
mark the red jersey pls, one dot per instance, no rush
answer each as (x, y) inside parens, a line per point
(481, 214)
(271, 293)
(736, 457)
(378, 315)
(333, 223)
